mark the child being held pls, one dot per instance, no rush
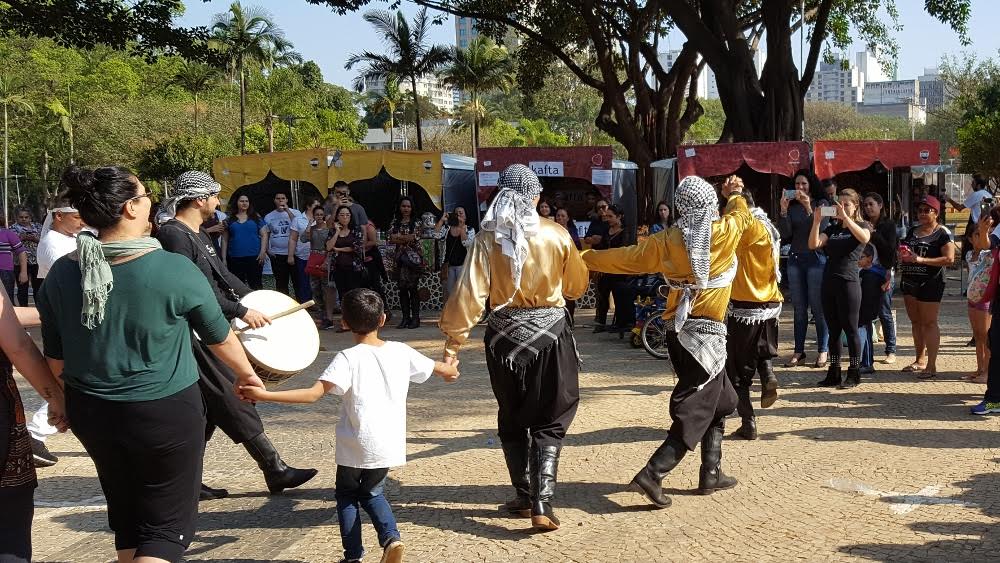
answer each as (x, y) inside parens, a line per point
(373, 377)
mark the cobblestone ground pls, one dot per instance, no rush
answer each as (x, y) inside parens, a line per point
(894, 470)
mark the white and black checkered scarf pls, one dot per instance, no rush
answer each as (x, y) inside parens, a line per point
(697, 208)
(512, 218)
(190, 185)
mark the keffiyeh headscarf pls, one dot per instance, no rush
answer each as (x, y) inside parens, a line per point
(190, 185)
(512, 217)
(697, 207)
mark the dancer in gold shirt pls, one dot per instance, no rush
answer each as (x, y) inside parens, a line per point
(525, 267)
(753, 319)
(697, 256)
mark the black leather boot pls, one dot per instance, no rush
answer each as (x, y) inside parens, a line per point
(404, 307)
(769, 384)
(544, 468)
(278, 475)
(208, 493)
(516, 455)
(748, 429)
(710, 477)
(832, 375)
(647, 482)
(852, 380)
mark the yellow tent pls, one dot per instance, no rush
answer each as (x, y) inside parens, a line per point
(323, 167)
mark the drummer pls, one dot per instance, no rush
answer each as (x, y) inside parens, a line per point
(194, 198)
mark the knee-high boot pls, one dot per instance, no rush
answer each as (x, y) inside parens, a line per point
(516, 456)
(710, 477)
(544, 468)
(648, 480)
(768, 382)
(404, 305)
(277, 474)
(748, 428)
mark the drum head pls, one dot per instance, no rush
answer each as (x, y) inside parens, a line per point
(286, 346)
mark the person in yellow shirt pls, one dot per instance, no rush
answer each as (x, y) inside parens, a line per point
(697, 256)
(527, 268)
(753, 317)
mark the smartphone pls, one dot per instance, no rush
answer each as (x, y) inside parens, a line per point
(828, 211)
(789, 194)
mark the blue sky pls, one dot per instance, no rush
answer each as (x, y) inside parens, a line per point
(321, 35)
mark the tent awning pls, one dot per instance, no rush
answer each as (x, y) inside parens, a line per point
(782, 157)
(833, 157)
(323, 167)
(591, 164)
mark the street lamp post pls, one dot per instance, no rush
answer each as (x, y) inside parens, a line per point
(290, 120)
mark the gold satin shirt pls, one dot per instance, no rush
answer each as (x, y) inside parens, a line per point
(553, 269)
(755, 280)
(665, 253)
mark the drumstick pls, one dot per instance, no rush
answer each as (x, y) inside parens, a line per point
(294, 309)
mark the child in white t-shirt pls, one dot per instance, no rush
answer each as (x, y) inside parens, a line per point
(373, 377)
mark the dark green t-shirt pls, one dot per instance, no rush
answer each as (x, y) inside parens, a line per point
(142, 349)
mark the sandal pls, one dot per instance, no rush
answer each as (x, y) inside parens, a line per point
(981, 378)
(971, 376)
(913, 367)
(796, 360)
(926, 375)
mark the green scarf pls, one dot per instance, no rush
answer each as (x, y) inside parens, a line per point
(95, 271)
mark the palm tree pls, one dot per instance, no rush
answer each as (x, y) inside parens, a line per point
(482, 68)
(409, 55)
(247, 36)
(388, 100)
(195, 78)
(15, 101)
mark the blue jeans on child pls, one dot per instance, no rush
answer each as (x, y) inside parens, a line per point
(867, 354)
(805, 280)
(362, 488)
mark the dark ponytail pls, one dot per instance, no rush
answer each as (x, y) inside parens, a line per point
(100, 194)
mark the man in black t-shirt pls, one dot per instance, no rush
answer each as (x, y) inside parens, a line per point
(597, 232)
(195, 198)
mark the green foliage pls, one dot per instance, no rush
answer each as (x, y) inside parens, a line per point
(536, 133)
(977, 140)
(101, 106)
(709, 126)
(834, 121)
(168, 158)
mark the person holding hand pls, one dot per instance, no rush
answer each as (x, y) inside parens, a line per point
(373, 378)
(843, 240)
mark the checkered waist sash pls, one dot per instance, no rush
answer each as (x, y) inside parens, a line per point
(522, 334)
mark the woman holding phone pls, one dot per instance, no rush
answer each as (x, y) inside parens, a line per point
(805, 265)
(844, 239)
(924, 253)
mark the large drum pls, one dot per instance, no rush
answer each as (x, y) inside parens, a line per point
(283, 348)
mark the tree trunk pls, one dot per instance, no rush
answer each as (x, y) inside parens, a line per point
(269, 122)
(196, 113)
(416, 112)
(243, 109)
(475, 123)
(392, 132)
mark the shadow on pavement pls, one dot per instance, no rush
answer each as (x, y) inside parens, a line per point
(981, 537)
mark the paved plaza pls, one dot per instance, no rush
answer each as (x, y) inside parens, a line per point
(894, 470)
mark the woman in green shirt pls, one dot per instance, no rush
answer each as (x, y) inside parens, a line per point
(117, 316)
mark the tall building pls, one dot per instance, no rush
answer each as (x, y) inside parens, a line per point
(836, 82)
(892, 92)
(870, 68)
(429, 86)
(932, 88)
(465, 32)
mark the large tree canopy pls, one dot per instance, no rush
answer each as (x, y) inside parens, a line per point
(613, 46)
(147, 26)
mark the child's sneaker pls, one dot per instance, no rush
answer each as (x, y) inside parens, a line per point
(986, 408)
(393, 552)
